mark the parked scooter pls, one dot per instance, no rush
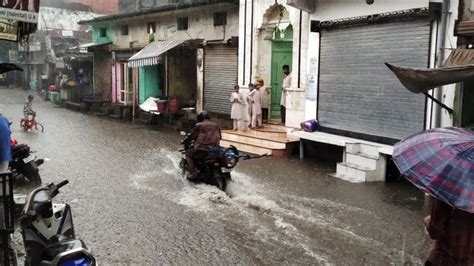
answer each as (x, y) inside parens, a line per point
(25, 164)
(216, 167)
(48, 231)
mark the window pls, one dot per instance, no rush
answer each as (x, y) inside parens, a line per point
(220, 18)
(183, 23)
(103, 32)
(124, 30)
(151, 27)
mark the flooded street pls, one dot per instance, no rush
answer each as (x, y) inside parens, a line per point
(132, 207)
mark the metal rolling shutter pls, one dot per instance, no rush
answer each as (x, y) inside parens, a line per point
(357, 93)
(220, 76)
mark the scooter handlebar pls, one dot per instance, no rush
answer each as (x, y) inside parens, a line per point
(63, 183)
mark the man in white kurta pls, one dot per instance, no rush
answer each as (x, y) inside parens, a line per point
(256, 108)
(284, 90)
(264, 98)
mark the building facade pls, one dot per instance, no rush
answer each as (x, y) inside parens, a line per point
(337, 51)
(188, 52)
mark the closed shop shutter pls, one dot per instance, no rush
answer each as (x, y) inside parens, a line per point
(357, 92)
(220, 76)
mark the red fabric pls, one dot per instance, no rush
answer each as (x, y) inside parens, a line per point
(453, 231)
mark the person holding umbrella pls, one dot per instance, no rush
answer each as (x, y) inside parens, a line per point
(440, 162)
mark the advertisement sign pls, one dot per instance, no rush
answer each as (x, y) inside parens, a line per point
(20, 10)
(8, 30)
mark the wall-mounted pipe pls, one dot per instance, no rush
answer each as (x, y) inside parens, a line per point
(442, 41)
(299, 48)
(245, 43)
(251, 42)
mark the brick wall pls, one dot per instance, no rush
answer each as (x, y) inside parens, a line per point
(101, 7)
(103, 73)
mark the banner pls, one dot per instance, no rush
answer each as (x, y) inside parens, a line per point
(8, 30)
(20, 10)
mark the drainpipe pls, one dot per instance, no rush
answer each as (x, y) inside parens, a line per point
(245, 43)
(442, 46)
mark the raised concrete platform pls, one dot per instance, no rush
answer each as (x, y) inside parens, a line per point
(271, 140)
(363, 161)
(337, 140)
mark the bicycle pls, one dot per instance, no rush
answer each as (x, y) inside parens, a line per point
(30, 123)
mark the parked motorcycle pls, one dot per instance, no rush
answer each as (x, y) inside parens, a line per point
(48, 231)
(216, 167)
(25, 164)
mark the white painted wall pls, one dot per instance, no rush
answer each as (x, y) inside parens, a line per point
(260, 64)
(312, 69)
(451, 43)
(200, 26)
(335, 9)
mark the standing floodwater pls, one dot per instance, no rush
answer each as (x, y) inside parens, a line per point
(132, 206)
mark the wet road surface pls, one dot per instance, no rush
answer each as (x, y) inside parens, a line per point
(132, 207)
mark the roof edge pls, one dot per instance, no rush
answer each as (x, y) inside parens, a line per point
(161, 9)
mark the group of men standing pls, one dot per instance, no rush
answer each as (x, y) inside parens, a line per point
(258, 99)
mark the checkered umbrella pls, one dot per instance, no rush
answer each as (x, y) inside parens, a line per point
(441, 163)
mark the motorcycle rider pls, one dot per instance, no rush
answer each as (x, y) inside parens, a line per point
(206, 135)
(28, 108)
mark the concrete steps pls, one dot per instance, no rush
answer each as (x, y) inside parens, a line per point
(268, 141)
(362, 163)
(248, 148)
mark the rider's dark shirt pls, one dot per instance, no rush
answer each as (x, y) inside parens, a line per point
(206, 133)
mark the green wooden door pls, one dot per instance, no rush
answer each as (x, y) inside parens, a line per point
(148, 83)
(281, 55)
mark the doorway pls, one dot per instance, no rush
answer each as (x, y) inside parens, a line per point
(282, 54)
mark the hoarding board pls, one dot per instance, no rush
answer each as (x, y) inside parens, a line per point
(8, 30)
(20, 10)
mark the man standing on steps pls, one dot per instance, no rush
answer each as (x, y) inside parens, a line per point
(284, 90)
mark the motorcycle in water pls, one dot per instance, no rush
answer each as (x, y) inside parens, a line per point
(48, 231)
(216, 167)
(25, 164)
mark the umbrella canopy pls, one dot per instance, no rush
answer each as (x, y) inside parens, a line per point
(441, 163)
(7, 67)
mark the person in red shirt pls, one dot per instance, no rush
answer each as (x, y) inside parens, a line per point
(453, 230)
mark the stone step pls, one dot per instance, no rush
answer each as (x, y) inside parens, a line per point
(273, 128)
(363, 149)
(361, 160)
(259, 142)
(356, 172)
(346, 178)
(247, 148)
(280, 136)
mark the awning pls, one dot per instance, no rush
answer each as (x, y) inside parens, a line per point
(460, 57)
(458, 67)
(150, 55)
(422, 80)
(465, 28)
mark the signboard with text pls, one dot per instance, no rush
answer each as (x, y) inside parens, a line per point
(20, 10)
(8, 30)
